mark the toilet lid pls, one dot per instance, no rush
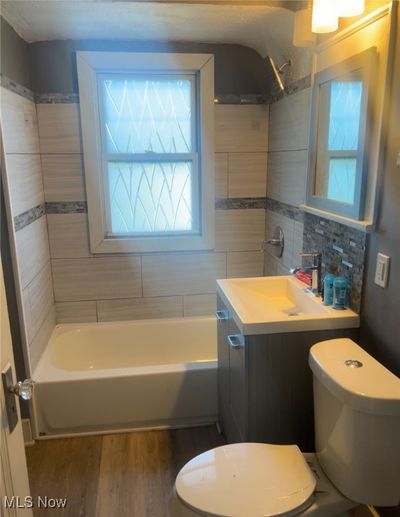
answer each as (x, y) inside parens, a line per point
(247, 480)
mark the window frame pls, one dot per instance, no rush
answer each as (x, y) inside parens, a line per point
(92, 66)
(362, 65)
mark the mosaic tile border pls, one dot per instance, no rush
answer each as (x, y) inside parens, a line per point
(66, 207)
(73, 98)
(17, 88)
(57, 98)
(29, 216)
(290, 211)
(240, 203)
(241, 99)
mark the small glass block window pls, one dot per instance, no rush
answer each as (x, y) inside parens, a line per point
(149, 141)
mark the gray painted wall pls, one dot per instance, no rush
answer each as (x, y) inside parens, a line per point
(238, 69)
(14, 55)
(380, 323)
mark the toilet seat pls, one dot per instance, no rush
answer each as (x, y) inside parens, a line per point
(247, 480)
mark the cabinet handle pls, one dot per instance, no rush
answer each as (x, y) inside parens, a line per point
(222, 315)
(235, 341)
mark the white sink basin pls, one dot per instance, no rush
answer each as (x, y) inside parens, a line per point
(275, 304)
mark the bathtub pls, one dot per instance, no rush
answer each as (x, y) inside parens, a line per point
(102, 377)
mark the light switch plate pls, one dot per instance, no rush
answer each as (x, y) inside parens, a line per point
(382, 270)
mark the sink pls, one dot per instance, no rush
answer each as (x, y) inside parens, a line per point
(276, 304)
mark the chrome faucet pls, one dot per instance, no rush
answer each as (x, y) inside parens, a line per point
(315, 268)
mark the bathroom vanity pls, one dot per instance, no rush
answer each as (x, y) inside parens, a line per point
(266, 327)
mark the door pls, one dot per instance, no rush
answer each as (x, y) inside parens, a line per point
(14, 484)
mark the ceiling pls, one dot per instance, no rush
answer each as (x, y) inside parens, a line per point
(265, 26)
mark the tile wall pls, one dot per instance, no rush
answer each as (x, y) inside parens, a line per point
(118, 287)
(287, 176)
(26, 204)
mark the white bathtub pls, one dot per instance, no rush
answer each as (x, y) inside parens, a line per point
(99, 377)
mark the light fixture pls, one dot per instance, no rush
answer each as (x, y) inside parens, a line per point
(346, 8)
(302, 35)
(324, 16)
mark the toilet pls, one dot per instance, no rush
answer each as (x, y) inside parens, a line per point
(357, 459)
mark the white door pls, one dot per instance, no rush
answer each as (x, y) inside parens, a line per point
(14, 484)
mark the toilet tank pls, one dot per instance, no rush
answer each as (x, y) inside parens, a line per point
(357, 422)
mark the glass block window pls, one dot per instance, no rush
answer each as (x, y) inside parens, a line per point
(150, 150)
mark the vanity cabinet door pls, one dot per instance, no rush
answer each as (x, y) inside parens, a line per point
(238, 381)
(232, 387)
(223, 359)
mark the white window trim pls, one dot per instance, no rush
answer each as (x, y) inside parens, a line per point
(89, 65)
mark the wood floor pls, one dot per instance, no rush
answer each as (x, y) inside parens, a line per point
(117, 475)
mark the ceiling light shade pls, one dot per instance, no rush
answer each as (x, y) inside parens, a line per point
(302, 35)
(324, 16)
(345, 8)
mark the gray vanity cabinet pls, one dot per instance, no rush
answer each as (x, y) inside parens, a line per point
(265, 384)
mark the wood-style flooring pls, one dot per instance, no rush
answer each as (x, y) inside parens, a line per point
(116, 475)
(119, 475)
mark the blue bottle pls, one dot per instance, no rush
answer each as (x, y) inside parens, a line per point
(340, 293)
(328, 288)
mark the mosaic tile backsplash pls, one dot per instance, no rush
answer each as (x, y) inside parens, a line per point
(343, 251)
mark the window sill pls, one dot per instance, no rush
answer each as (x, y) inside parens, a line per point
(363, 226)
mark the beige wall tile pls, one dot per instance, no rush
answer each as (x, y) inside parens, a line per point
(281, 269)
(245, 264)
(247, 174)
(24, 178)
(182, 273)
(37, 301)
(140, 308)
(239, 230)
(59, 128)
(221, 175)
(19, 123)
(241, 128)
(76, 312)
(68, 235)
(63, 177)
(289, 122)
(96, 278)
(199, 305)
(287, 225)
(287, 176)
(32, 248)
(41, 339)
(270, 264)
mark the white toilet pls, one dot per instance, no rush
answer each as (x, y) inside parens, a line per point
(357, 428)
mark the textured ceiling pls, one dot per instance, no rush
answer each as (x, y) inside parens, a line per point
(264, 26)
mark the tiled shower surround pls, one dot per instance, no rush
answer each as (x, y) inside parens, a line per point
(133, 286)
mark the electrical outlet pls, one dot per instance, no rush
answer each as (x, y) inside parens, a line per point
(382, 270)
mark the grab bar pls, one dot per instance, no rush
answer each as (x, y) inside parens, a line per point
(222, 315)
(235, 341)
